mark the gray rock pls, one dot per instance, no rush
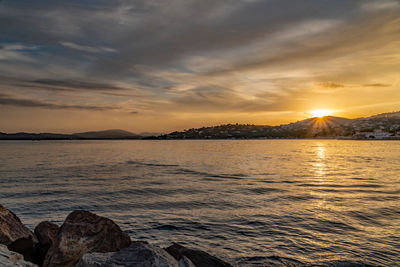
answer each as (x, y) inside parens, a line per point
(46, 233)
(95, 259)
(185, 262)
(85, 232)
(11, 259)
(197, 257)
(139, 254)
(11, 228)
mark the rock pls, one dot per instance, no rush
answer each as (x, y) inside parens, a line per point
(139, 254)
(85, 232)
(46, 233)
(15, 235)
(11, 227)
(197, 257)
(95, 259)
(26, 247)
(185, 262)
(11, 259)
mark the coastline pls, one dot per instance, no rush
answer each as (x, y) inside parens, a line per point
(209, 139)
(89, 240)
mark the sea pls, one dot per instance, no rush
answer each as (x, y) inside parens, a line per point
(249, 202)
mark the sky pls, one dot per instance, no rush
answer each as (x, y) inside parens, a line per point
(159, 66)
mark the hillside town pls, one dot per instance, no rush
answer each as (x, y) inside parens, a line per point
(379, 127)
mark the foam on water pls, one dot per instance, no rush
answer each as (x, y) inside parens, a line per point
(250, 202)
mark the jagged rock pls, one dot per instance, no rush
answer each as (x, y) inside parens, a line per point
(15, 235)
(11, 227)
(12, 259)
(197, 257)
(85, 232)
(46, 233)
(139, 254)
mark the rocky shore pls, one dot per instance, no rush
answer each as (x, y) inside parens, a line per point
(88, 240)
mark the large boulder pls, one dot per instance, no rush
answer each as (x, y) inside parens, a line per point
(139, 254)
(12, 259)
(11, 227)
(198, 257)
(46, 233)
(15, 235)
(85, 232)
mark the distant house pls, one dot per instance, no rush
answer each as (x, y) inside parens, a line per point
(380, 134)
(363, 135)
(376, 134)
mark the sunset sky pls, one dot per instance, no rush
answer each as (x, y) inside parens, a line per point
(158, 66)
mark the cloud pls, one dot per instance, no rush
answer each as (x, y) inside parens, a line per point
(380, 5)
(8, 100)
(331, 85)
(16, 52)
(91, 49)
(77, 85)
(376, 85)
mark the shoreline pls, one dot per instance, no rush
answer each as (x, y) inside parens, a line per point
(205, 139)
(89, 240)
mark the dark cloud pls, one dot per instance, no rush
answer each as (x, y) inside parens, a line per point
(8, 100)
(80, 85)
(331, 85)
(190, 30)
(160, 33)
(376, 85)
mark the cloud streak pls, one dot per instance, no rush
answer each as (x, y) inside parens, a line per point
(8, 100)
(77, 85)
(90, 49)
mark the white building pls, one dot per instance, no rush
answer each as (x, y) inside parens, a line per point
(379, 134)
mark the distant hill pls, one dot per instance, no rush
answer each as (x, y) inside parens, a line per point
(331, 120)
(326, 127)
(108, 134)
(36, 136)
(387, 115)
(146, 134)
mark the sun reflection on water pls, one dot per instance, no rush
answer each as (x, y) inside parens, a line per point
(319, 164)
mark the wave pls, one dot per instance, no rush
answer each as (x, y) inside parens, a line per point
(150, 164)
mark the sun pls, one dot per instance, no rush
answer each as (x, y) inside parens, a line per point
(321, 112)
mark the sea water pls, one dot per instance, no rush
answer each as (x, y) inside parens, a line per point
(246, 201)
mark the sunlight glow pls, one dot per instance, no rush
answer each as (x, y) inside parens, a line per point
(320, 113)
